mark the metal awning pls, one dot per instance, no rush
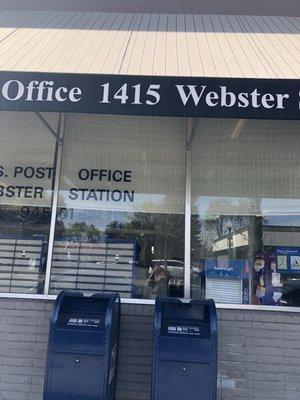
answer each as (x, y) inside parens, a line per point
(191, 45)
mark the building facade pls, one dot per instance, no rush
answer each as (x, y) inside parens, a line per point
(152, 151)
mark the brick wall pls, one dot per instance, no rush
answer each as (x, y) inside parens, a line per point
(259, 352)
(24, 326)
(259, 355)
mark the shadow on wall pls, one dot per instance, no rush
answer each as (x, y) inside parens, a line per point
(130, 17)
(243, 7)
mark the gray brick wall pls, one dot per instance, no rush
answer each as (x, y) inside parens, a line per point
(259, 352)
(259, 355)
(24, 326)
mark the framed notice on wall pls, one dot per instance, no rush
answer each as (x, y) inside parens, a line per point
(288, 259)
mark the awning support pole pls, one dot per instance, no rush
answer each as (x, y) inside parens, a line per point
(191, 128)
(50, 129)
(55, 198)
(194, 130)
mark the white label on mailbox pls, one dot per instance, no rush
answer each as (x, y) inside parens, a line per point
(184, 330)
(84, 322)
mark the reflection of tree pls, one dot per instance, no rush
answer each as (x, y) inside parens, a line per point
(80, 231)
(160, 236)
(223, 216)
(24, 221)
(221, 224)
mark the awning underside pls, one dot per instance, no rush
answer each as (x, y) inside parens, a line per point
(150, 44)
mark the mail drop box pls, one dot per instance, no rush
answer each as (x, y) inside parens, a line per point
(184, 350)
(83, 345)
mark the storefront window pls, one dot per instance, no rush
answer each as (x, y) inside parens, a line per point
(120, 221)
(245, 212)
(27, 155)
(120, 213)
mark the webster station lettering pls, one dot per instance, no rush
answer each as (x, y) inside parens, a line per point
(98, 183)
(103, 194)
(24, 172)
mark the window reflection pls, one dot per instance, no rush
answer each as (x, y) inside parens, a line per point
(249, 259)
(137, 254)
(245, 209)
(27, 155)
(120, 225)
(23, 248)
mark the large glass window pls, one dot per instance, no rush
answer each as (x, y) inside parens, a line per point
(27, 155)
(120, 207)
(246, 211)
(120, 221)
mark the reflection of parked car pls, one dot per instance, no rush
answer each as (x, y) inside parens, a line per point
(166, 278)
(173, 277)
(291, 292)
(176, 283)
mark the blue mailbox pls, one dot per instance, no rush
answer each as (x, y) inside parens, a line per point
(83, 346)
(184, 350)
